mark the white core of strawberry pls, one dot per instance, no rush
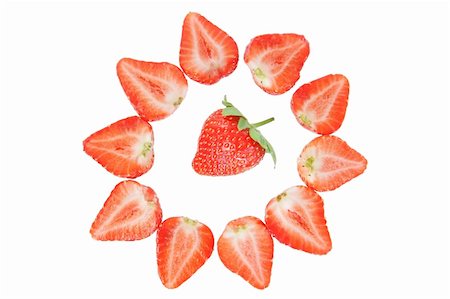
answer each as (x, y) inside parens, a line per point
(213, 63)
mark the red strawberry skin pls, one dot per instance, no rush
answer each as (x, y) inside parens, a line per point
(328, 162)
(183, 246)
(131, 212)
(296, 218)
(275, 60)
(155, 89)
(223, 149)
(320, 105)
(246, 248)
(124, 148)
(207, 53)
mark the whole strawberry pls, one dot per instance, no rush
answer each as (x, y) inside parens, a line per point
(229, 144)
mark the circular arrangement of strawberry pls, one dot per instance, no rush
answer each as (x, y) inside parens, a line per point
(229, 144)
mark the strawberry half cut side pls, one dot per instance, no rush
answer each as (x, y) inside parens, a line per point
(124, 148)
(207, 53)
(182, 246)
(328, 162)
(155, 89)
(246, 248)
(320, 105)
(275, 60)
(296, 218)
(131, 212)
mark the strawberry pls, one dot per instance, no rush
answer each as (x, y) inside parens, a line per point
(131, 212)
(183, 246)
(207, 54)
(229, 144)
(124, 148)
(155, 89)
(320, 105)
(296, 218)
(275, 60)
(327, 162)
(246, 248)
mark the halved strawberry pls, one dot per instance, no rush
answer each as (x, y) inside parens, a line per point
(296, 218)
(275, 60)
(183, 246)
(207, 53)
(124, 148)
(155, 89)
(229, 144)
(320, 105)
(246, 248)
(327, 162)
(131, 212)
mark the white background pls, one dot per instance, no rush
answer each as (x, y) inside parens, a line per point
(390, 226)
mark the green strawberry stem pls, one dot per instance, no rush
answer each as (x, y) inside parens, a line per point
(262, 123)
(254, 133)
